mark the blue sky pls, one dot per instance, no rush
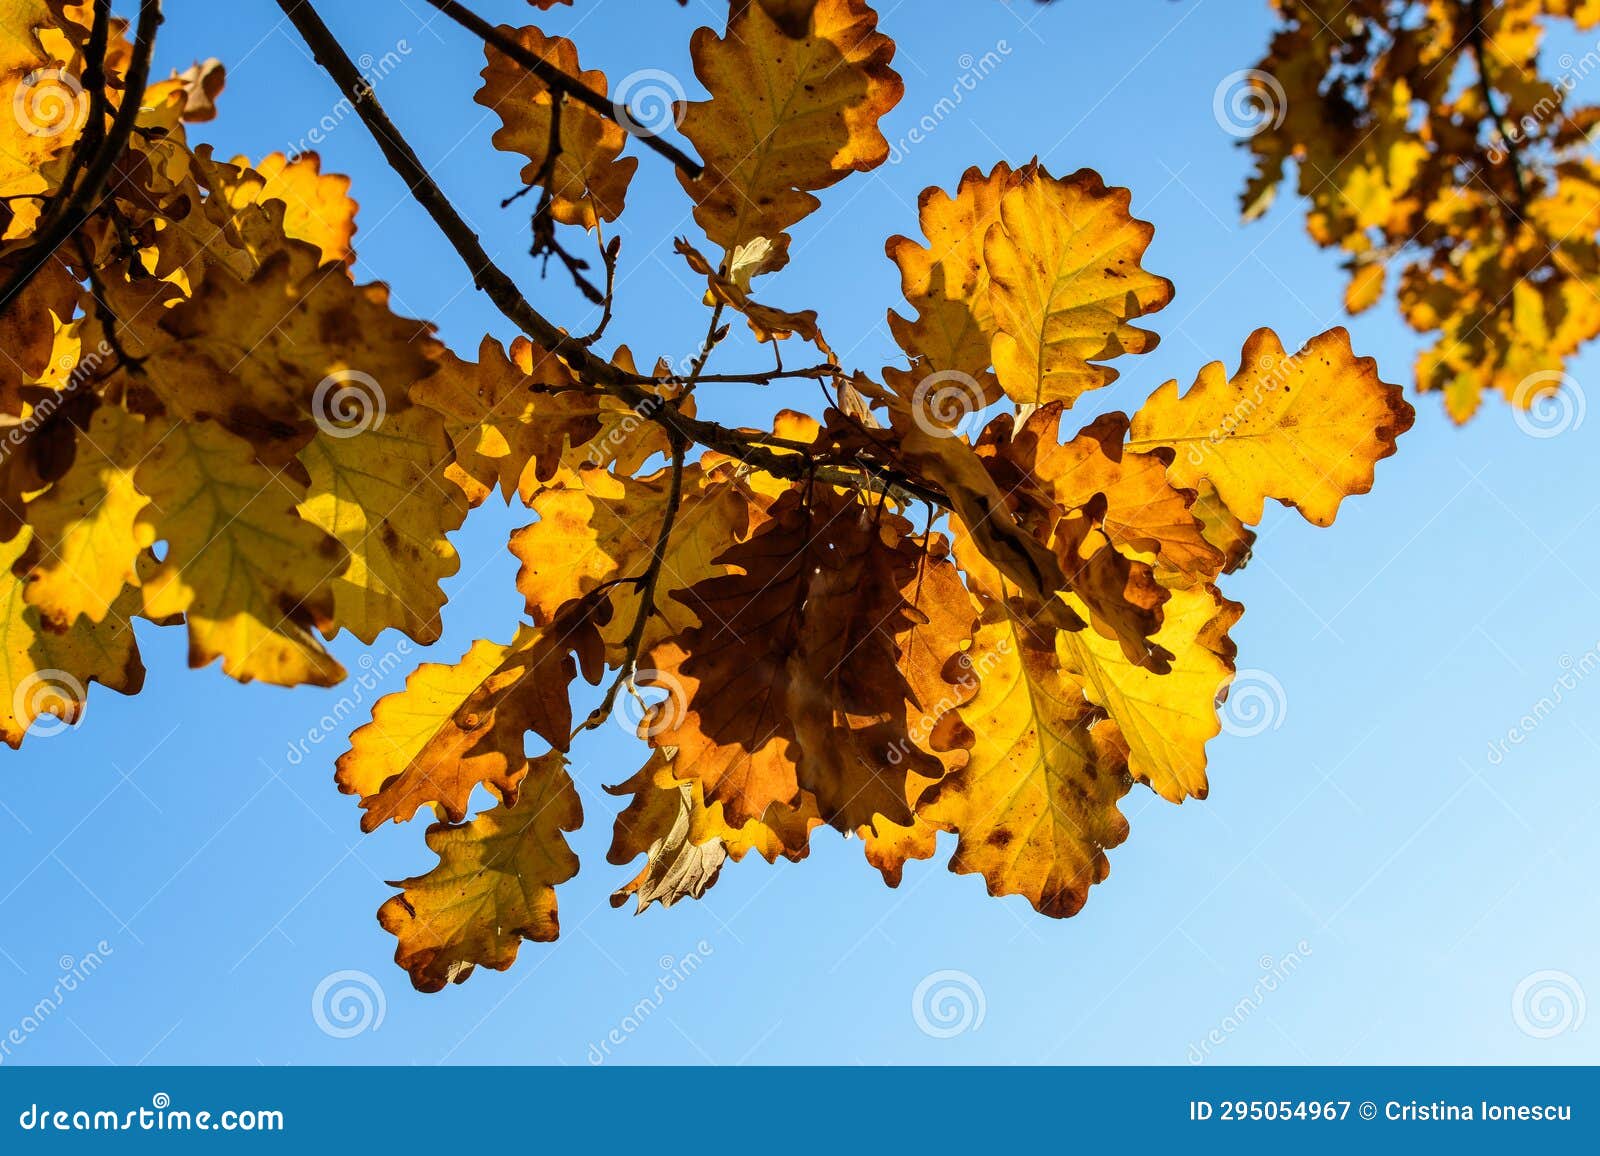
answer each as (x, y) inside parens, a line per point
(1422, 884)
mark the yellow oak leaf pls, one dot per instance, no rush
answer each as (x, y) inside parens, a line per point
(249, 575)
(1035, 807)
(1166, 718)
(46, 672)
(1366, 286)
(494, 885)
(46, 105)
(264, 356)
(87, 537)
(317, 205)
(947, 282)
(787, 117)
(1307, 428)
(1064, 283)
(455, 727)
(381, 490)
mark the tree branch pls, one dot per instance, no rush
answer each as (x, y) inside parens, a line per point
(555, 79)
(72, 208)
(504, 294)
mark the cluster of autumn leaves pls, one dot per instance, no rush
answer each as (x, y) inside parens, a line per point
(1441, 155)
(819, 649)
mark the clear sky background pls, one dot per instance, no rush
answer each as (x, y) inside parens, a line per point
(1367, 830)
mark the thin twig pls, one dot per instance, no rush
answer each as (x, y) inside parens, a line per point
(1486, 93)
(765, 377)
(556, 79)
(68, 213)
(647, 593)
(94, 79)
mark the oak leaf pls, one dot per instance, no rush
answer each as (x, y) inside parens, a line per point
(494, 885)
(1307, 428)
(588, 177)
(455, 727)
(787, 117)
(249, 576)
(1064, 283)
(46, 672)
